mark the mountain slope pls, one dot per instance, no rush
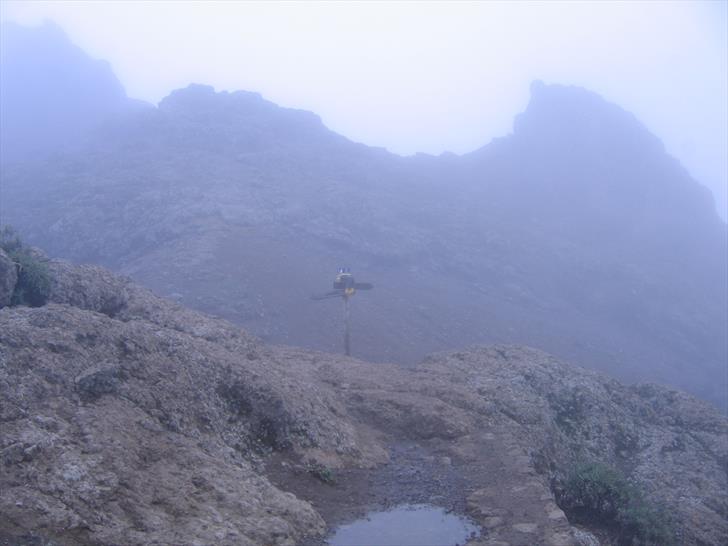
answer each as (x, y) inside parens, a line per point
(576, 233)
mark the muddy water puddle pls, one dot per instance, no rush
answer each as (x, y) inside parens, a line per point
(406, 525)
(416, 475)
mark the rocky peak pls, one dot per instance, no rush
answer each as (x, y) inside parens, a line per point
(200, 98)
(577, 120)
(48, 46)
(241, 112)
(51, 92)
(595, 167)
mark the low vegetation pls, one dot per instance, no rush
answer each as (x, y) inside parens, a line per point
(597, 494)
(33, 286)
(321, 473)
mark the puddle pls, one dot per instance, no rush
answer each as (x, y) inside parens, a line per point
(406, 525)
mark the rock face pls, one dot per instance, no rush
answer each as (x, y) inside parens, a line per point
(129, 419)
(8, 278)
(577, 233)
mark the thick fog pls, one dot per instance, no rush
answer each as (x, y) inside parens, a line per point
(427, 77)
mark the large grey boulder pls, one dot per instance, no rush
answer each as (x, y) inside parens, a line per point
(87, 287)
(8, 278)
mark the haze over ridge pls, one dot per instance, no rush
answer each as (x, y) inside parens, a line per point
(384, 76)
(577, 233)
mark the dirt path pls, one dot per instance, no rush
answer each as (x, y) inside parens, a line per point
(506, 496)
(485, 476)
(415, 474)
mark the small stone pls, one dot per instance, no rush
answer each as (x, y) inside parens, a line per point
(72, 473)
(13, 454)
(585, 538)
(492, 521)
(561, 539)
(525, 527)
(556, 514)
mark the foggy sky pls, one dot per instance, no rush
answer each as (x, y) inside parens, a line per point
(427, 76)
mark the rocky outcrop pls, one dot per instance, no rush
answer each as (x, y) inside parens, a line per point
(128, 419)
(8, 278)
(89, 287)
(673, 446)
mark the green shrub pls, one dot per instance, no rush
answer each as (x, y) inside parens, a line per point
(643, 524)
(597, 494)
(10, 240)
(33, 286)
(321, 473)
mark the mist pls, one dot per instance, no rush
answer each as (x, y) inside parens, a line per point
(428, 77)
(382, 274)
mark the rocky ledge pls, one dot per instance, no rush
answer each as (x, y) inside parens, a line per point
(127, 419)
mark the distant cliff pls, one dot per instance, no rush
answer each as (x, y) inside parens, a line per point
(51, 93)
(577, 233)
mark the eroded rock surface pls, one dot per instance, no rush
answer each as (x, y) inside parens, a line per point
(127, 419)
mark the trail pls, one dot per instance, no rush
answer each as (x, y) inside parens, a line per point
(486, 476)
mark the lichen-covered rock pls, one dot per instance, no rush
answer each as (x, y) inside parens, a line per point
(88, 287)
(672, 445)
(96, 289)
(116, 432)
(8, 278)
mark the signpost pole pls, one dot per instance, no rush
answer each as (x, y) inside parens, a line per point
(347, 343)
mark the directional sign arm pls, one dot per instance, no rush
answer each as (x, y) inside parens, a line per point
(332, 294)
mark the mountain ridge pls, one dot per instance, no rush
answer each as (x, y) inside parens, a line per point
(244, 209)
